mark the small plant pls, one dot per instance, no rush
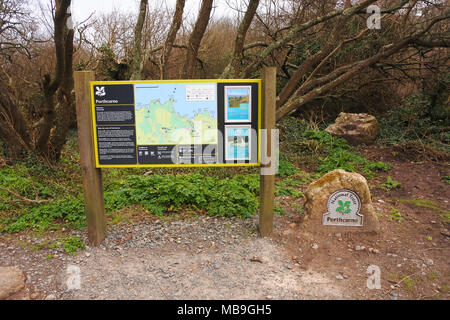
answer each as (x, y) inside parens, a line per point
(446, 179)
(288, 191)
(409, 283)
(72, 244)
(395, 215)
(286, 169)
(391, 184)
(279, 211)
(432, 276)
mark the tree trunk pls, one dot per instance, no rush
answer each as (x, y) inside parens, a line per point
(137, 63)
(234, 67)
(65, 112)
(195, 39)
(51, 86)
(168, 44)
(13, 127)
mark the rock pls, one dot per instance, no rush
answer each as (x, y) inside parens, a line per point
(356, 128)
(12, 280)
(319, 192)
(315, 246)
(50, 297)
(339, 277)
(429, 262)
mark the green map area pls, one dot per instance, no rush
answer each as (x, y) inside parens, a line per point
(160, 124)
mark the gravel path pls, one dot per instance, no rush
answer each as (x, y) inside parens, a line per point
(205, 258)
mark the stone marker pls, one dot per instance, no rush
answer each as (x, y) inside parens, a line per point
(356, 128)
(12, 280)
(339, 202)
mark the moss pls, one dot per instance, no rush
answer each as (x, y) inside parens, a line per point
(429, 204)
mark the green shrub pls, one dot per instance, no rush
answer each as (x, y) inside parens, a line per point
(338, 154)
(72, 244)
(70, 211)
(286, 169)
(218, 197)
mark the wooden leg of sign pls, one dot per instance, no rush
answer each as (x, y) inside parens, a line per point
(267, 181)
(92, 177)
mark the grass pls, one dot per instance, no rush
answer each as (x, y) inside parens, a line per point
(429, 204)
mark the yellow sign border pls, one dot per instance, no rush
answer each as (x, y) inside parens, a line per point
(94, 124)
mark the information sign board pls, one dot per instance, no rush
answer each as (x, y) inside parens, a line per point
(176, 123)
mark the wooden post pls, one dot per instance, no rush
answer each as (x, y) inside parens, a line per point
(267, 181)
(92, 177)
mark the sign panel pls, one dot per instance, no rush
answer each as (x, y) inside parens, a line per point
(343, 208)
(176, 123)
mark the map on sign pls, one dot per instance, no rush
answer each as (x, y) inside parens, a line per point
(175, 113)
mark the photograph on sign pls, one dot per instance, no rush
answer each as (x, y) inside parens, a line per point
(238, 142)
(238, 103)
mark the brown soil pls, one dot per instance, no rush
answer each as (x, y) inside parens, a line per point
(413, 255)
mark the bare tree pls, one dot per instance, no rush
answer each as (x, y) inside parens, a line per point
(63, 38)
(170, 40)
(234, 67)
(57, 103)
(137, 61)
(195, 39)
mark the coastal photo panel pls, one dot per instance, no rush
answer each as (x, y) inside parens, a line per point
(238, 103)
(238, 142)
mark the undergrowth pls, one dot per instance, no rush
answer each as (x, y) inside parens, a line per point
(418, 118)
(156, 193)
(336, 153)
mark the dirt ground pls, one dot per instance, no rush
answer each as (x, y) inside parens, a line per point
(217, 258)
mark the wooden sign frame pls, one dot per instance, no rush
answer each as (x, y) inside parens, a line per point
(92, 174)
